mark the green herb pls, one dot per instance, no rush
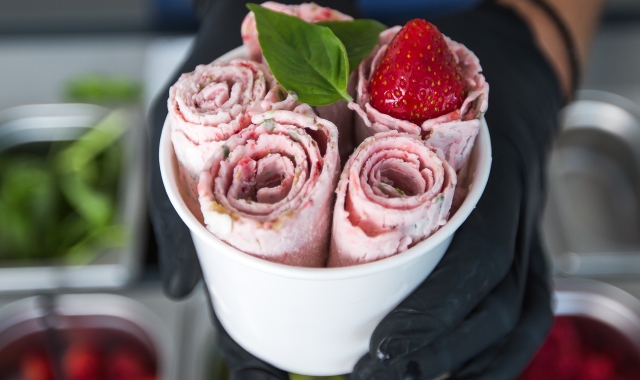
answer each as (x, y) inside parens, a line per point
(399, 191)
(294, 135)
(225, 151)
(95, 88)
(77, 168)
(312, 61)
(359, 37)
(281, 94)
(305, 58)
(269, 125)
(63, 204)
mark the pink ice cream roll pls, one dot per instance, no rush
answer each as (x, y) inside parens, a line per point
(393, 192)
(337, 112)
(452, 134)
(214, 102)
(269, 189)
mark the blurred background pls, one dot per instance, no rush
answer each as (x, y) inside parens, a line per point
(79, 281)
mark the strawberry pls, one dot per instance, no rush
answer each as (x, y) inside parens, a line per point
(598, 367)
(418, 78)
(83, 361)
(36, 366)
(127, 364)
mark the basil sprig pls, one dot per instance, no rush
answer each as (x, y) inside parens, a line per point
(313, 61)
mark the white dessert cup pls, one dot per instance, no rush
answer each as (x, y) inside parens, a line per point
(313, 321)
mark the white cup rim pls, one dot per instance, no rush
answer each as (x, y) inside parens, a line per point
(168, 170)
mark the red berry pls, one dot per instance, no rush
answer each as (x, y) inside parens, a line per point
(83, 362)
(36, 366)
(418, 78)
(127, 364)
(598, 367)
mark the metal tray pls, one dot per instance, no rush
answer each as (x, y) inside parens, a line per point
(602, 302)
(27, 324)
(591, 223)
(114, 267)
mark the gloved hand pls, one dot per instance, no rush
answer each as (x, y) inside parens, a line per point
(485, 309)
(180, 270)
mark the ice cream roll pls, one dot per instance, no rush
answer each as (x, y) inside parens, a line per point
(269, 189)
(214, 102)
(393, 192)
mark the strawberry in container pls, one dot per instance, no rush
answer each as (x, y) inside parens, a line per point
(581, 348)
(84, 360)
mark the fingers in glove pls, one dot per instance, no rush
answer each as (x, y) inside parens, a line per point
(177, 259)
(491, 321)
(487, 243)
(241, 364)
(509, 358)
(179, 266)
(176, 254)
(479, 257)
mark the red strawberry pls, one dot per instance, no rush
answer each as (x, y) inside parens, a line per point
(417, 78)
(127, 364)
(83, 361)
(598, 367)
(36, 366)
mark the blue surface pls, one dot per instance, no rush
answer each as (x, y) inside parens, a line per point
(174, 15)
(390, 9)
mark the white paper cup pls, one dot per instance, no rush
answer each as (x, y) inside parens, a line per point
(313, 321)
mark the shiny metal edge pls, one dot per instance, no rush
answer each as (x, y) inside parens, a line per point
(599, 301)
(95, 311)
(620, 118)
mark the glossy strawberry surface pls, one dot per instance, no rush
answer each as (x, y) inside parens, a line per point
(418, 78)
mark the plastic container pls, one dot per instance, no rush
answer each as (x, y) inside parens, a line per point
(313, 321)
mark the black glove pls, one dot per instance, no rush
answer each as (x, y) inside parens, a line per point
(485, 309)
(180, 270)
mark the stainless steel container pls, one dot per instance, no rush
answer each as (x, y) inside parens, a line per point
(592, 219)
(111, 268)
(601, 302)
(100, 317)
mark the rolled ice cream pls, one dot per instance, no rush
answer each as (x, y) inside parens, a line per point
(269, 189)
(214, 102)
(393, 192)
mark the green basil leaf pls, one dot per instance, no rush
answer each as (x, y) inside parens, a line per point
(359, 37)
(92, 143)
(306, 59)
